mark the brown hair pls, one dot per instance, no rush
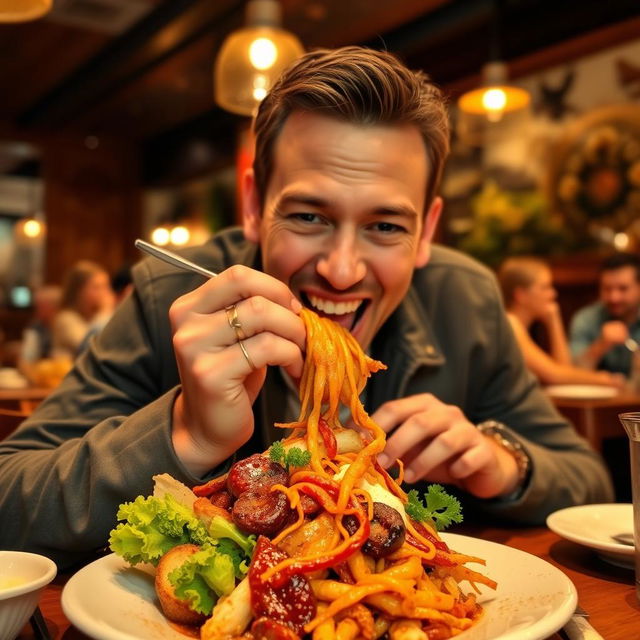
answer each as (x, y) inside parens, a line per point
(357, 85)
(75, 279)
(518, 272)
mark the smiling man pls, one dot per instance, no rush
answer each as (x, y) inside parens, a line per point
(598, 332)
(340, 210)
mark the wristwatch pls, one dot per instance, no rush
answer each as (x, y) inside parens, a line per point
(503, 437)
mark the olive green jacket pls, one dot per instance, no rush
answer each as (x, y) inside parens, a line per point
(98, 439)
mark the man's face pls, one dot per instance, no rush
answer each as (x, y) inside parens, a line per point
(343, 221)
(620, 293)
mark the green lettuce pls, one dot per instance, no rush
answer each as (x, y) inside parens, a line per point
(203, 578)
(153, 526)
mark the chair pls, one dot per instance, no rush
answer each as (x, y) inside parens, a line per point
(9, 421)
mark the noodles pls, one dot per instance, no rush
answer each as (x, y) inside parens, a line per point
(415, 585)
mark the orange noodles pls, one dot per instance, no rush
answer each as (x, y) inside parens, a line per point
(345, 487)
(335, 371)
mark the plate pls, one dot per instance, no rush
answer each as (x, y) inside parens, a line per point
(586, 391)
(108, 600)
(592, 525)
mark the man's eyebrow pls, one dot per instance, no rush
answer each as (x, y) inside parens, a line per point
(399, 210)
(297, 198)
(303, 198)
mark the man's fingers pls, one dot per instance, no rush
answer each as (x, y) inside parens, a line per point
(393, 413)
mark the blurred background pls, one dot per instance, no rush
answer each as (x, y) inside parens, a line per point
(111, 126)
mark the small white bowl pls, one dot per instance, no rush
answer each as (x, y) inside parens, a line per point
(23, 576)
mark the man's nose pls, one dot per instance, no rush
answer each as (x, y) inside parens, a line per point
(342, 265)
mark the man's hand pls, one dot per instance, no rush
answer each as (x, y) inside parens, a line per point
(614, 332)
(213, 414)
(436, 442)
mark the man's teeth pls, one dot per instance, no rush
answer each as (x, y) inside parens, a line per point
(334, 308)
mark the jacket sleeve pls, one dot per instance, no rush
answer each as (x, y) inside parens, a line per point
(96, 441)
(565, 471)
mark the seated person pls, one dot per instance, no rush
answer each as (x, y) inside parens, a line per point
(339, 211)
(87, 304)
(36, 338)
(598, 333)
(530, 297)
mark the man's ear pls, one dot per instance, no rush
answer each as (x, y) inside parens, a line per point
(428, 230)
(250, 207)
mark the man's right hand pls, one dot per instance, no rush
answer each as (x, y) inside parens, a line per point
(614, 332)
(212, 415)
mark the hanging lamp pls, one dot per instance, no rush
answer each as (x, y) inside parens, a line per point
(23, 10)
(496, 102)
(251, 59)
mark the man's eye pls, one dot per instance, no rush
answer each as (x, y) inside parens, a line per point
(306, 217)
(388, 227)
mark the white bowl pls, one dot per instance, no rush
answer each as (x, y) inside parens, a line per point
(23, 576)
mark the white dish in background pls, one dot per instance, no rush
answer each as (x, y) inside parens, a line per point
(581, 391)
(108, 600)
(592, 525)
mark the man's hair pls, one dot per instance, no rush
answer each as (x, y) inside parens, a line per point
(518, 272)
(359, 86)
(620, 260)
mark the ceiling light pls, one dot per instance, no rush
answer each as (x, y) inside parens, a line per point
(23, 10)
(251, 59)
(496, 102)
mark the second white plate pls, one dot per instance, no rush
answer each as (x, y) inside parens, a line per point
(592, 525)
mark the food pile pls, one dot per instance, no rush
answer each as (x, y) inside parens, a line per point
(311, 539)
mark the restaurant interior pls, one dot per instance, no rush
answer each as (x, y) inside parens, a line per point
(114, 125)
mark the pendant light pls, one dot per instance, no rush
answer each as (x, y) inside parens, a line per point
(497, 102)
(251, 59)
(23, 10)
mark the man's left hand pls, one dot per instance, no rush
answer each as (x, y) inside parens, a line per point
(437, 443)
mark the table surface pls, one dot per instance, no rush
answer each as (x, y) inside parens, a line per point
(606, 592)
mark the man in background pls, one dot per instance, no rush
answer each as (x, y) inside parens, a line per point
(602, 334)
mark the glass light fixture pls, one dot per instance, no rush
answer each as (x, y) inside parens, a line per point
(496, 102)
(251, 59)
(23, 10)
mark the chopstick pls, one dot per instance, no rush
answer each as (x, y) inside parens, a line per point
(39, 625)
(173, 258)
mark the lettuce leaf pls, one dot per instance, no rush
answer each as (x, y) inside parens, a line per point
(203, 578)
(152, 526)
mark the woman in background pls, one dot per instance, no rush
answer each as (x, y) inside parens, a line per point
(87, 304)
(530, 297)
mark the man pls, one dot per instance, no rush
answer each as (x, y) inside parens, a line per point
(600, 333)
(340, 210)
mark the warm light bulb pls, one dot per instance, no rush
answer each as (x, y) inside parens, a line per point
(160, 236)
(262, 53)
(32, 228)
(180, 235)
(260, 87)
(494, 99)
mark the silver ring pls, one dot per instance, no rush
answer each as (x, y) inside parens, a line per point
(245, 353)
(234, 322)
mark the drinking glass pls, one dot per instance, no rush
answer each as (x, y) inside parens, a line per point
(631, 424)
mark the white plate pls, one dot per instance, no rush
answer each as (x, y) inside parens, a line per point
(592, 525)
(108, 600)
(580, 391)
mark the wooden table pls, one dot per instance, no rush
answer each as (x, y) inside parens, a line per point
(25, 400)
(597, 418)
(606, 592)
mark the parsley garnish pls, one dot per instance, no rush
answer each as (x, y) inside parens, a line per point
(440, 507)
(294, 457)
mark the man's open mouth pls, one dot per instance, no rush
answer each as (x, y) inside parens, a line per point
(346, 313)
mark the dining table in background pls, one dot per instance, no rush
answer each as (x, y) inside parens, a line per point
(606, 592)
(24, 400)
(597, 418)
